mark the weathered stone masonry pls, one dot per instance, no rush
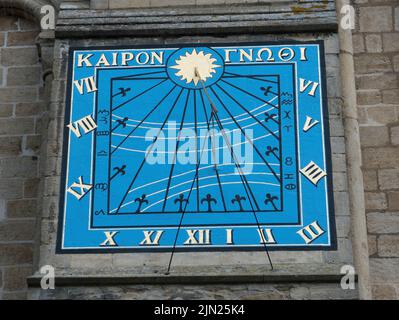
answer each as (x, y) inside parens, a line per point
(29, 175)
(376, 45)
(21, 106)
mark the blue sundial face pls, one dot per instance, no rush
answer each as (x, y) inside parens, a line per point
(218, 147)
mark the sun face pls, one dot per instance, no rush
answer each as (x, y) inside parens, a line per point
(194, 66)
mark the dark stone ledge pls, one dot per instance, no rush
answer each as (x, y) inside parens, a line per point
(304, 16)
(299, 273)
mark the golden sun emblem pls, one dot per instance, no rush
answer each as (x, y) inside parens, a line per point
(194, 66)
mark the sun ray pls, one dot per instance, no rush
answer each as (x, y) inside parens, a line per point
(190, 62)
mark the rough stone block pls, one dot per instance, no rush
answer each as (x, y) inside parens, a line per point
(333, 291)
(10, 146)
(393, 200)
(10, 188)
(58, 91)
(383, 157)
(378, 222)
(13, 253)
(15, 278)
(50, 207)
(341, 203)
(388, 179)
(16, 126)
(339, 163)
(372, 244)
(383, 292)
(370, 63)
(391, 42)
(21, 38)
(48, 234)
(343, 227)
(15, 295)
(388, 246)
(18, 167)
(373, 43)
(32, 144)
(19, 56)
(334, 106)
(25, 25)
(384, 270)
(18, 94)
(6, 110)
(51, 186)
(374, 136)
(2, 210)
(390, 96)
(22, 208)
(362, 115)
(377, 81)
(395, 135)
(24, 76)
(370, 180)
(375, 201)
(368, 97)
(358, 43)
(8, 23)
(375, 19)
(31, 187)
(338, 145)
(336, 127)
(53, 166)
(382, 114)
(17, 230)
(396, 63)
(339, 181)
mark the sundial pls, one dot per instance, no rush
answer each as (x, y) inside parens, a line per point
(197, 147)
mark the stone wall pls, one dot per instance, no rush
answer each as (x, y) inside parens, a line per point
(376, 45)
(269, 291)
(20, 123)
(146, 264)
(118, 4)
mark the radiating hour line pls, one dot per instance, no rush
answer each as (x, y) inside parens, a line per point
(249, 113)
(150, 149)
(138, 75)
(139, 95)
(246, 187)
(175, 153)
(249, 76)
(243, 132)
(184, 211)
(248, 93)
(215, 162)
(196, 145)
(236, 163)
(148, 78)
(148, 114)
(215, 165)
(204, 122)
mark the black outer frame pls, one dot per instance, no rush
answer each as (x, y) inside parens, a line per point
(333, 235)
